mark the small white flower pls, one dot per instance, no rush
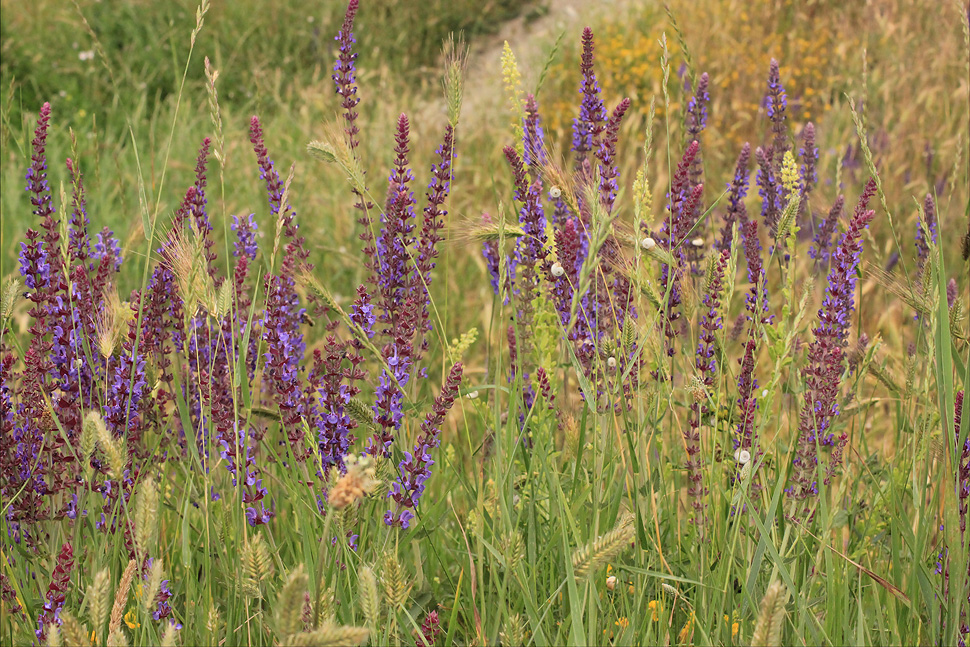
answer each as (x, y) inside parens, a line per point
(86, 55)
(78, 362)
(555, 192)
(309, 18)
(697, 242)
(764, 393)
(473, 395)
(557, 269)
(742, 456)
(648, 243)
(611, 362)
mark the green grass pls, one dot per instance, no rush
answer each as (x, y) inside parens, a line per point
(512, 542)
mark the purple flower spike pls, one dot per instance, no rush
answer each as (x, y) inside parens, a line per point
(809, 169)
(607, 156)
(415, 468)
(344, 76)
(823, 235)
(775, 103)
(592, 113)
(738, 190)
(823, 374)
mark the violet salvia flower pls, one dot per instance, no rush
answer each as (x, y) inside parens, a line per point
(245, 249)
(756, 274)
(362, 312)
(823, 374)
(246, 232)
(415, 468)
(295, 254)
(345, 73)
(107, 249)
(284, 352)
(674, 229)
(592, 113)
(394, 264)
(696, 122)
(929, 221)
(79, 243)
(533, 138)
(56, 592)
(769, 189)
(530, 250)
(706, 367)
(809, 170)
(607, 156)
(426, 250)
(963, 467)
(823, 235)
(738, 190)
(128, 384)
(334, 424)
(775, 103)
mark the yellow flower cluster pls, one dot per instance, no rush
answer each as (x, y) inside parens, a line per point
(733, 46)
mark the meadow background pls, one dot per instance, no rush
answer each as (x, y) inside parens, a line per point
(544, 525)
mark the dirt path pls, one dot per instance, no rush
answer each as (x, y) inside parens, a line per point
(531, 41)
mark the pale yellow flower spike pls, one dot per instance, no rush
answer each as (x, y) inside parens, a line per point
(513, 90)
(789, 173)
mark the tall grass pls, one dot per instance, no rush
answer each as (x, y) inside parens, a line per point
(682, 415)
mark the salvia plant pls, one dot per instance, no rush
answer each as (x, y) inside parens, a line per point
(667, 438)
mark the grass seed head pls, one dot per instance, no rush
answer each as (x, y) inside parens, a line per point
(771, 616)
(369, 597)
(98, 593)
(151, 588)
(394, 581)
(289, 603)
(590, 557)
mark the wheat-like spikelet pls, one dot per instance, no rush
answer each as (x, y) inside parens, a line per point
(394, 581)
(154, 584)
(8, 298)
(185, 258)
(215, 113)
(121, 598)
(221, 300)
(117, 638)
(771, 617)
(369, 598)
(330, 635)
(335, 149)
(591, 556)
(98, 593)
(289, 603)
(169, 637)
(257, 565)
(514, 632)
(455, 54)
(113, 448)
(146, 515)
(513, 549)
(54, 638)
(72, 632)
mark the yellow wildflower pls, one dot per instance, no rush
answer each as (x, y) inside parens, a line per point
(686, 631)
(622, 622)
(654, 607)
(131, 619)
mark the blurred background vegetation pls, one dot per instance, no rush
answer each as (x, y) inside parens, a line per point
(904, 64)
